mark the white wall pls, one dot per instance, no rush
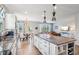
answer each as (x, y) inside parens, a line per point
(70, 21)
(77, 26)
(73, 22)
(21, 17)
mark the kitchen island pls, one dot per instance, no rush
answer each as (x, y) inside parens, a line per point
(49, 44)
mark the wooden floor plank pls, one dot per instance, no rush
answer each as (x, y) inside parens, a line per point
(26, 48)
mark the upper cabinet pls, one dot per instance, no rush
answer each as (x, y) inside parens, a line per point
(46, 27)
(10, 21)
(2, 17)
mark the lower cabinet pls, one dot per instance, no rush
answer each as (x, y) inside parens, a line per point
(36, 41)
(53, 49)
(64, 49)
(42, 45)
(47, 48)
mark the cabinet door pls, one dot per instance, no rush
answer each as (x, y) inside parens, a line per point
(44, 46)
(40, 43)
(53, 49)
(45, 50)
(36, 41)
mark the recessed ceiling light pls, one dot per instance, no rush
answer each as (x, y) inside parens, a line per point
(55, 7)
(25, 12)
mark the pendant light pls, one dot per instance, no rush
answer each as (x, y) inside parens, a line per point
(44, 16)
(54, 12)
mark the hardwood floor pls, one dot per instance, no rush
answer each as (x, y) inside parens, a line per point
(76, 50)
(26, 48)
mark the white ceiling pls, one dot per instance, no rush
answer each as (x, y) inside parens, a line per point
(35, 11)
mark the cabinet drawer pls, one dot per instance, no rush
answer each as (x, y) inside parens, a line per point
(46, 42)
(46, 47)
(45, 52)
(43, 49)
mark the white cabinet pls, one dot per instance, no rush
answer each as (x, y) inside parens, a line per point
(2, 18)
(64, 49)
(10, 21)
(42, 45)
(48, 48)
(58, 49)
(53, 49)
(36, 41)
(45, 27)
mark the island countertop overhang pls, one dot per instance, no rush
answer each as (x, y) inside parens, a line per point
(57, 40)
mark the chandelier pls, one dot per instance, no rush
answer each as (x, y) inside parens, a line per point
(54, 12)
(44, 16)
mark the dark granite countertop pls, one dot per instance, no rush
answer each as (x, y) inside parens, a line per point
(58, 40)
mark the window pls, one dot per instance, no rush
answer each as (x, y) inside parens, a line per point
(20, 26)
